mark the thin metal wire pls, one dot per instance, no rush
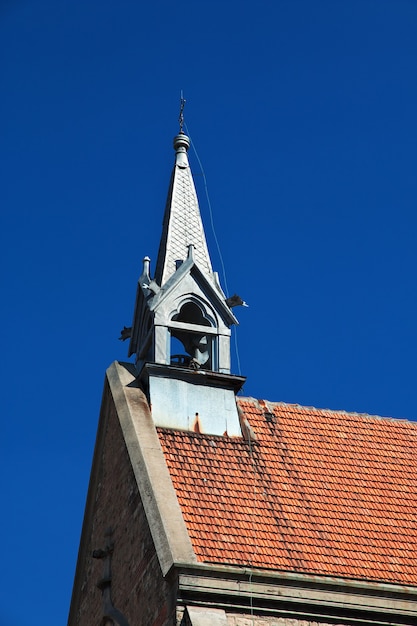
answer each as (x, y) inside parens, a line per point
(239, 371)
(214, 235)
(255, 498)
(210, 210)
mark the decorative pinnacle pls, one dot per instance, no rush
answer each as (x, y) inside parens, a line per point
(181, 143)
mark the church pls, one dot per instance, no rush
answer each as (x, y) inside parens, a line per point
(208, 508)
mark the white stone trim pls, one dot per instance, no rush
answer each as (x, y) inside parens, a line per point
(166, 523)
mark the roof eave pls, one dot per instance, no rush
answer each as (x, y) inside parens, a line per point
(294, 593)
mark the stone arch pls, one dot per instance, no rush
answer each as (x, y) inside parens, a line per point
(195, 308)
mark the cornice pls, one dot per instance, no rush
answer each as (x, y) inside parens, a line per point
(302, 595)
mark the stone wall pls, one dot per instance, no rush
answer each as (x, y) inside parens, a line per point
(248, 620)
(200, 616)
(138, 588)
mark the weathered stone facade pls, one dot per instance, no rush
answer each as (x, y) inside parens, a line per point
(216, 617)
(248, 620)
(138, 588)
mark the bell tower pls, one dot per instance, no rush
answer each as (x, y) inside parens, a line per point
(182, 320)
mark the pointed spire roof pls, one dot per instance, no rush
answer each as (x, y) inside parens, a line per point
(182, 225)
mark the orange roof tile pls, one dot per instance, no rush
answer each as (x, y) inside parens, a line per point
(320, 492)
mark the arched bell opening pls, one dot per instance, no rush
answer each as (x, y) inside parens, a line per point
(192, 313)
(193, 338)
(198, 350)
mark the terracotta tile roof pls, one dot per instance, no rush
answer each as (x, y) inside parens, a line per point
(323, 492)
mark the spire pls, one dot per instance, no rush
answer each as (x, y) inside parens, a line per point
(182, 225)
(182, 318)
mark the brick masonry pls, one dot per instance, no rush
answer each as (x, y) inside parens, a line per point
(138, 588)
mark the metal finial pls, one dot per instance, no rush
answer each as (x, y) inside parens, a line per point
(181, 117)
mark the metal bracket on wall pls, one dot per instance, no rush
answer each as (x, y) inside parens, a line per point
(111, 615)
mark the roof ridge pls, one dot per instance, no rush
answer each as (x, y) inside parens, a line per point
(271, 403)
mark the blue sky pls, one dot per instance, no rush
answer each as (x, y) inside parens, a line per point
(303, 115)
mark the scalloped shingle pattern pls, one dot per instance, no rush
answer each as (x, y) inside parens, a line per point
(319, 492)
(185, 226)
